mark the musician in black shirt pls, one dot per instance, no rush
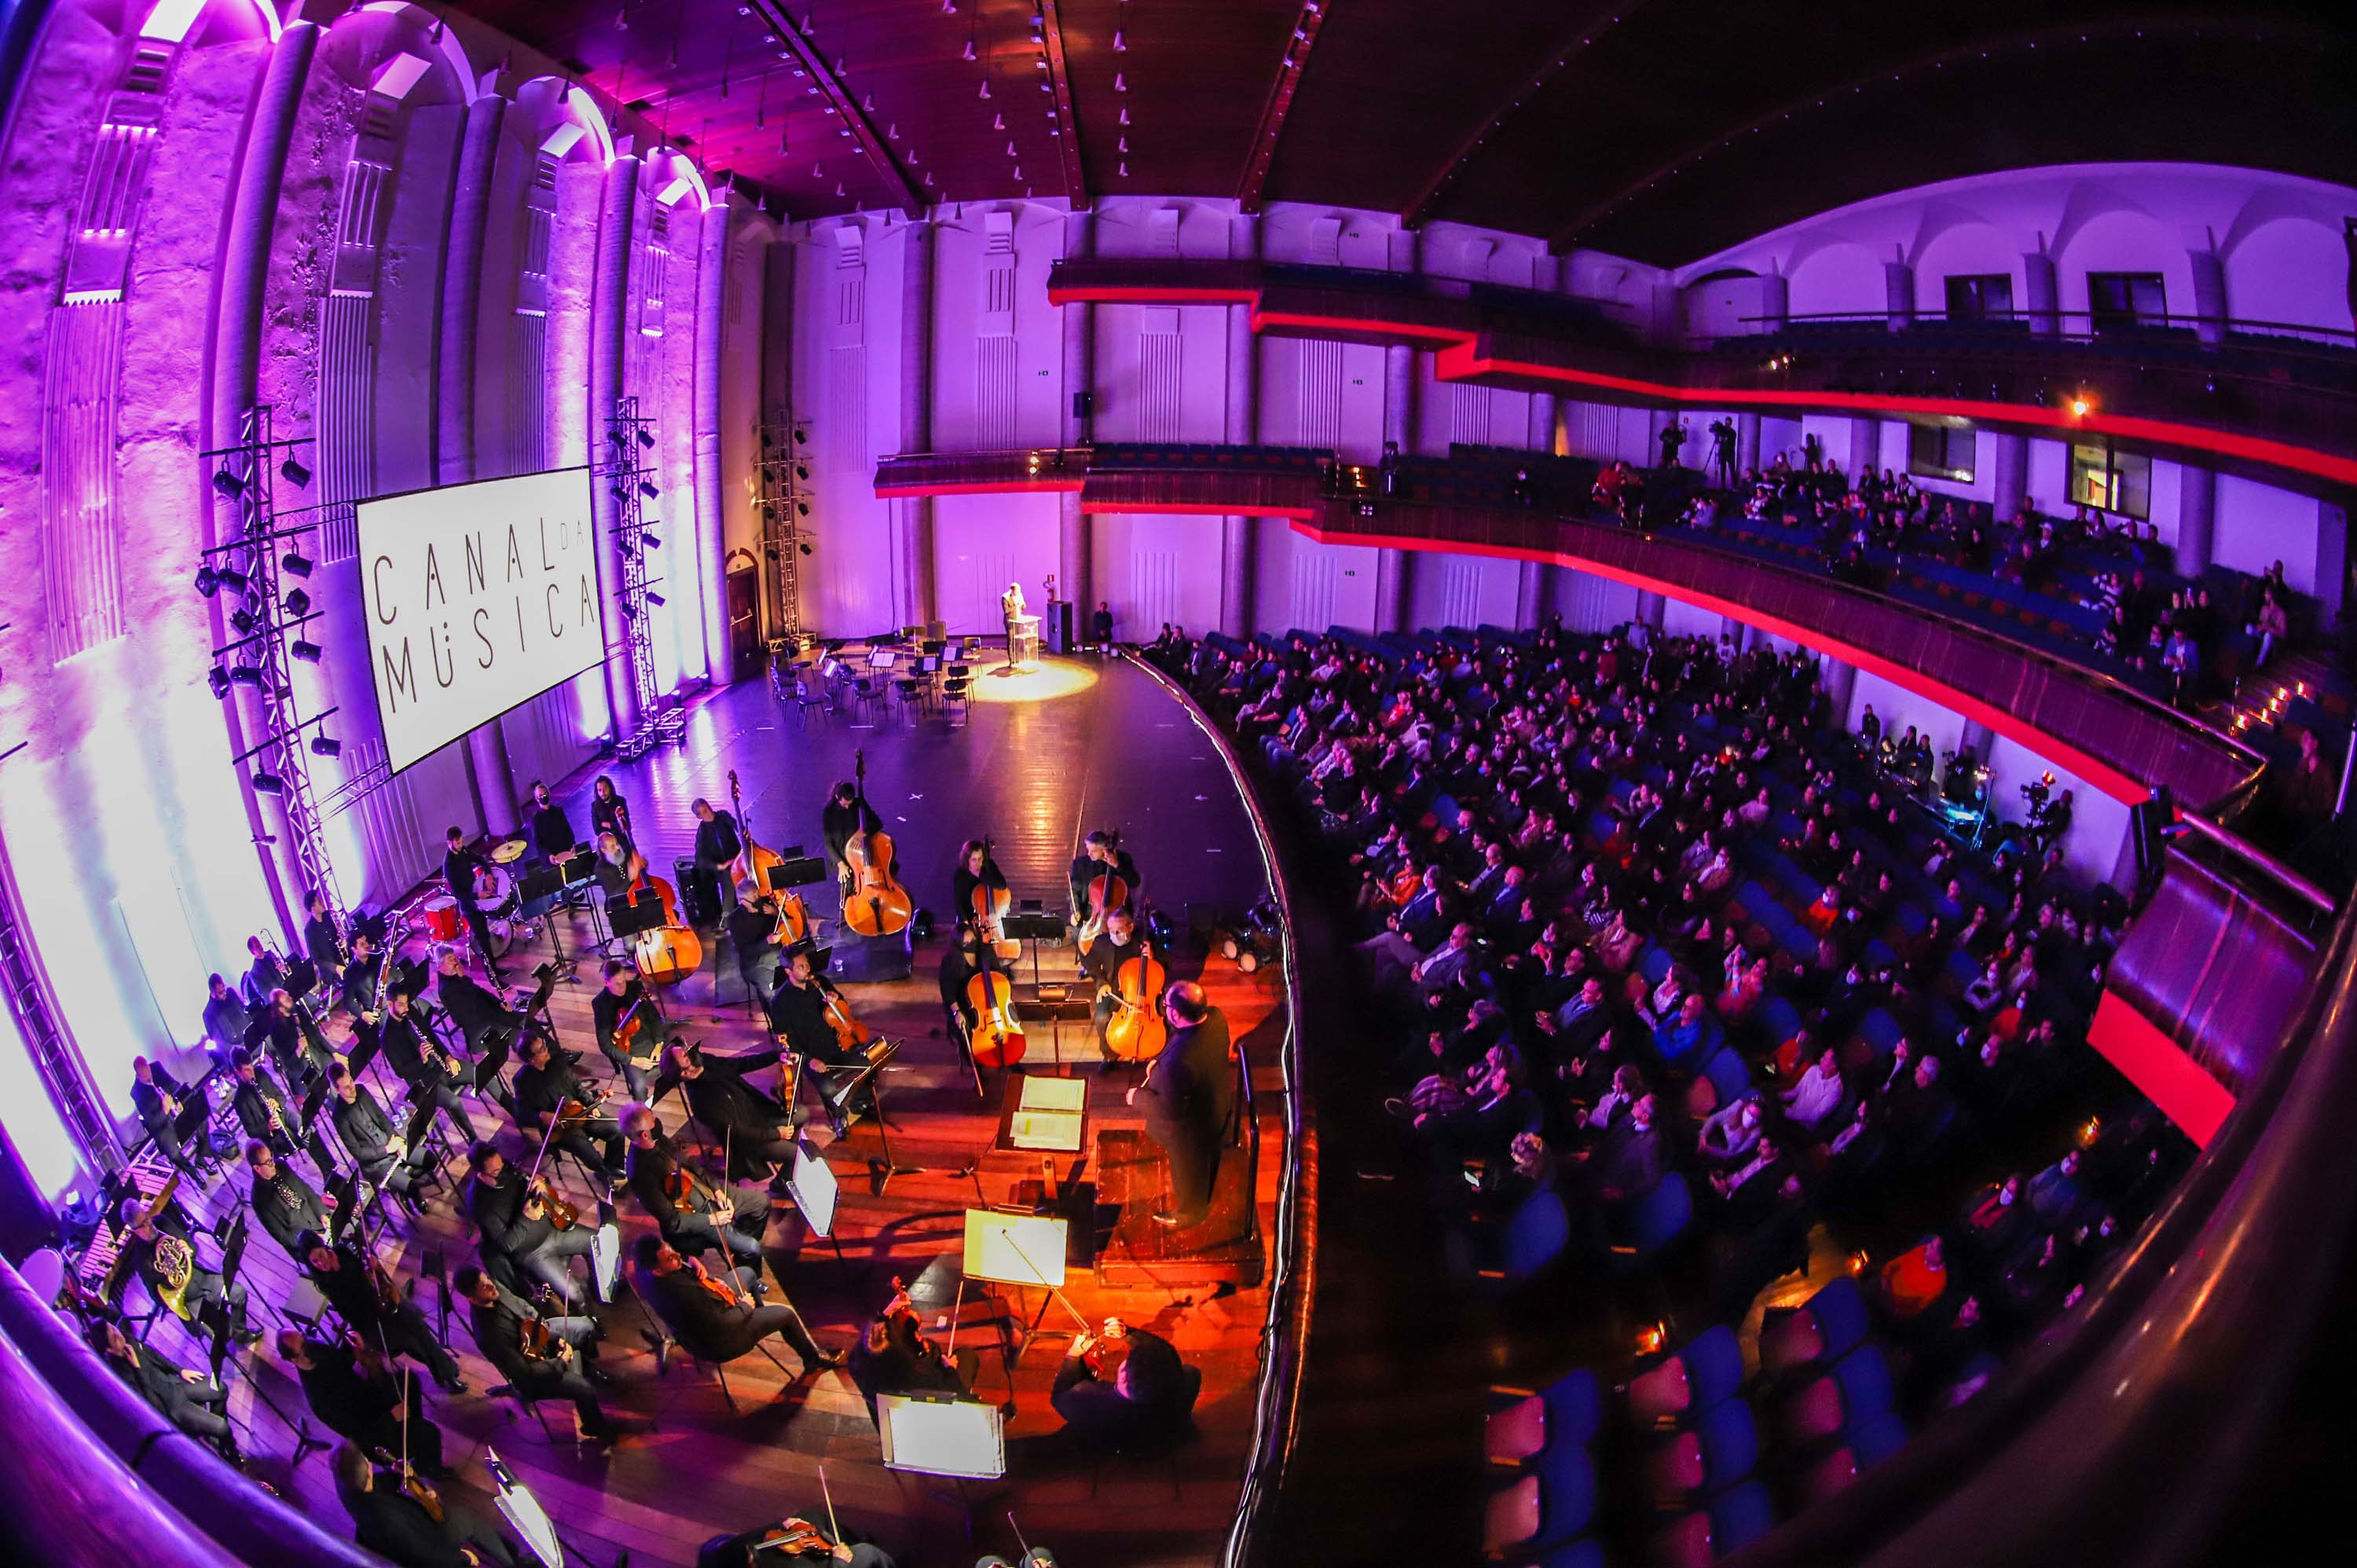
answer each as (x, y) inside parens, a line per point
(1100, 851)
(625, 997)
(322, 941)
(690, 1213)
(976, 869)
(286, 1205)
(557, 1360)
(719, 1325)
(159, 1100)
(718, 840)
(460, 866)
(1121, 943)
(298, 1047)
(513, 1225)
(363, 996)
(191, 1401)
(552, 830)
(753, 937)
(845, 818)
(433, 1075)
(609, 813)
(366, 1297)
(263, 974)
(546, 1088)
(966, 958)
(803, 1010)
(206, 1293)
(227, 1021)
(758, 1130)
(268, 1112)
(355, 1395)
(398, 1528)
(371, 1137)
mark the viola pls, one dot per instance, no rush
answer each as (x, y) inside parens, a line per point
(560, 1215)
(878, 905)
(998, 1039)
(1136, 1029)
(718, 1291)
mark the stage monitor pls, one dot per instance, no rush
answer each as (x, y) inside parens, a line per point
(1015, 1248)
(938, 1435)
(478, 597)
(812, 1185)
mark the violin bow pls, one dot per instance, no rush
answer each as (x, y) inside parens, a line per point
(832, 1528)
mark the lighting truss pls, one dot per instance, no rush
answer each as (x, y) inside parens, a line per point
(628, 437)
(783, 495)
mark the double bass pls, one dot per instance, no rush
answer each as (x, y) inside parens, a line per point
(793, 914)
(1136, 1029)
(878, 905)
(668, 953)
(998, 1039)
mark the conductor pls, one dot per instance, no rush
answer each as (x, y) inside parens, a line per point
(1189, 1094)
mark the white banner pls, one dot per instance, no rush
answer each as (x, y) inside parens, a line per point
(478, 597)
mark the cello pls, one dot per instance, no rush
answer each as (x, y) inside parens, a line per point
(1108, 891)
(1136, 1029)
(672, 951)
(998, 1039)
(879, 906)
(793, 914)
(988, 904)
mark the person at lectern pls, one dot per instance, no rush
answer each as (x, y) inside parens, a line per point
(1187, 1097)
(1010, 604)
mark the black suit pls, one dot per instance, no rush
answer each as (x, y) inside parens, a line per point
(254, 1102)
(147, 1102)
(653, 1033)
(399, 1328)
(352, 1402)
(756, 1127)
(298, 1049)
(653, 1178)
(227, 1020)
(1187, 1097)
(529, 1246)
(1098, 1417)
(405, 1043)
(542, 1094)
(710, 1330)
(326, 946)
(396, 1527)
(552, 830)
(287, 1206)
(368, 1134)
(498, 1333)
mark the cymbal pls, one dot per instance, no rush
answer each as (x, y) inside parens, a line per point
(509, 853)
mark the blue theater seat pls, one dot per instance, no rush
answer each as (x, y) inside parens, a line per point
(1823, 1329)
(1653, 1221)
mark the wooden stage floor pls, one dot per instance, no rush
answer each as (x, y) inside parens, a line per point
(1120, 753)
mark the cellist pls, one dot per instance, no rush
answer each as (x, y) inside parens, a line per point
(1121, 941)
(966, 958)
(978, 870)
(1100, 853)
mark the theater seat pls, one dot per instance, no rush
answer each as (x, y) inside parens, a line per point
(1512, 1518)
(1652, 1223)
(1701, 1374)
(1718, 1451)
(1733, 1521)
(1824, 1327)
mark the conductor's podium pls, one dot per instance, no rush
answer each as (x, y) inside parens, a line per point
(1225, 1249)
(1023, 641)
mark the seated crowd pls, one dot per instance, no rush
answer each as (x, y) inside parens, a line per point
(1689, 989)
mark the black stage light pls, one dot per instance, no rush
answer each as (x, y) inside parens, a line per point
(270, 783)
(801, 435)
(802, 507)
(646, 438)
(295, 474)
(295, 564)
(218, 679)
(618, 492)
(656, 599)
(308, 652)
(805, 547)
(242, 622)
(207, 581)
(233, 579)
(246, 675)
(228, 484)
(647, 489)
(802, 471)
(322, 746)
(650, 540)
(297, 603)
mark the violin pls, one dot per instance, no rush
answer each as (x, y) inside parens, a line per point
(672, 951)
(998, 1039)
(411, 1483)
(638, 1018)
(1136, 1029)
(879, 906)
(794, 1538)
(720, 1291)
(560, 1215)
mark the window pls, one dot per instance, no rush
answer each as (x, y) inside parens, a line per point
(1981, 298)
(1940, 452)
(2115, 482)
(2120, 300)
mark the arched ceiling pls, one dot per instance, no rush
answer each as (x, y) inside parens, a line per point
(1658, 129)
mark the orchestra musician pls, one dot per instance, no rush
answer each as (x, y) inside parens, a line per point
(205, 1294)
(227, 1020)
(758, 1130)
(460, 868)
(362, 998)
(286, 1205)
(1100, 851)
(513, 1225)
(802, 1009)
(1190, 1094)
(321, 940)
(964, 959)
(796, 1539)
(268, 1112)
(1148, 1404)
(613, 854)
(625, 995)
(552, 830)
(540, 1356)
(189, 1401)
(845, 818)
(356, 1396)
(298, 1047)
(548, 1089)
(714, 1317)
(609, 813)
(1120, 941)
(264, 974)
(693, 1215)
(479, 1011)
(976, 869)
(434, 1076)
(371, 1137)
(159, 1100)
(391, 1518)
(893, 1357)
(753, 936)
(719, 842)
(365, 1296)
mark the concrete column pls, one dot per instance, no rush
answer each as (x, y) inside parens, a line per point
(1976, 741)
(1864, 445)
(2041, 298)
(915, 592)
(2331, 555)
(1539, 435)
(609, 311)
(245, 268)
(2197, 519)
(1746, 440)
(1396, 569)
(1839, 681)
(462, 289)
(1239, 567)
(1073, 543)
(2009, 464)
(1392, 587)
(711, 530)
(2209, 285)
(1534, 593)
(1651, 609)
(1899, 294)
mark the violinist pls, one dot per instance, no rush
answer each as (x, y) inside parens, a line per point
(977, 870)
(268, 1112)
(540, 1356)
(806, 1009)
(893, 1357)
(625, 1006)
(552, 830)
(371, 1137)
(845, 818)
(1121, 941)
(1100, 851)
(609, 813)
(434, 1076)
(462, 868)
(513, 1224)
(714, 1317)
(692, 1214)
(966, 958)
(408, 1523)
(298, 1047)
(792, 1539)
(1147, 1404)
(365, 1296)
(321, 940)
(161, 1103)
(758, 1130)
(286, 1205)
(548, 1089)
(356, 1395)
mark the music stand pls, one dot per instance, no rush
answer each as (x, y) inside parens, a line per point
(810, 1187)
(523, 1513)
(545, 886)
(796, 871)
(627, 917)
(1024, 1249)
(1034, 924)
(957, 1438)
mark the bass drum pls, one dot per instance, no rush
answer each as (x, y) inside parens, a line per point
(503, 934)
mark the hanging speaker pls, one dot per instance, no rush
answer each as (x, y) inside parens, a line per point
(1084, 405)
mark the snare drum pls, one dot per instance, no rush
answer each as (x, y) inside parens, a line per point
(495, 893)
(443, 922)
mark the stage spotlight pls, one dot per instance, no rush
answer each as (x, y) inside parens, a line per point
(207, 581)
(308, 652)
(650, 540)
(228, 484)
(647, 489)
(270, 783)
(622, 495)
(2079, 407)
(801, 472)
(802, 508)
(218, 679)
(233, 579)
(647, 438)
(656, 599)
(323, 747)
(241, 622)
(295, 564)
(297, 603)
(246, 675)
(805, 547)
(295, 474)
(767, 442)
(801, 435)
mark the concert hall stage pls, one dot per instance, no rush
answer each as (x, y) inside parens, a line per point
(1116, 750)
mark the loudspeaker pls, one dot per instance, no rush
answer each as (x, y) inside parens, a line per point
(1084, 405)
